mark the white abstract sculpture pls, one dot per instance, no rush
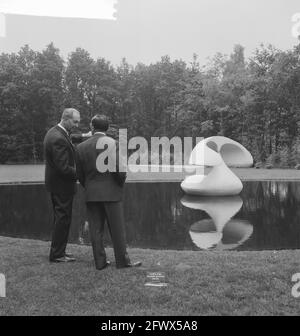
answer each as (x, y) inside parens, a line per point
(217, 152)
(221, 231)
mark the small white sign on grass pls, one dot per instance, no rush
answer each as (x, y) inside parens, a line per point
(156, 279)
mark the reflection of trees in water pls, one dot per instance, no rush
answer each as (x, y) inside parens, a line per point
(273, 208)
(25, 211)
(153, 213)
(156, 218)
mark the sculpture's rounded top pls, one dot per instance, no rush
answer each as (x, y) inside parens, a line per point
(213, 150)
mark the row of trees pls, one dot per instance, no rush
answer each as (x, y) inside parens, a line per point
(255, 102)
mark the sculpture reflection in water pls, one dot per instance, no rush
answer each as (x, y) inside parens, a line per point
(221, 232)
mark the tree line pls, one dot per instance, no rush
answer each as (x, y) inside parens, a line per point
(255, 101)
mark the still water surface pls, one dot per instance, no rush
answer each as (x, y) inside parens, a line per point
(158, 215)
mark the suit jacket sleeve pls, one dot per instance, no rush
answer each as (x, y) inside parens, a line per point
(79, 168)
(61, 159)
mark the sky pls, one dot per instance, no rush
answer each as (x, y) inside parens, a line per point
(146, 30)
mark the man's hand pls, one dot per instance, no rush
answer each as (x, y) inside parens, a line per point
(87, 135)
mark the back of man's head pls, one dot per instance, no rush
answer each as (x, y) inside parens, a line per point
(100, 123)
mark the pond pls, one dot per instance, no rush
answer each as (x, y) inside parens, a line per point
(266, 215)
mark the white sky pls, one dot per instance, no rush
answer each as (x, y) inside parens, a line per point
(145, 30)
(92, 9)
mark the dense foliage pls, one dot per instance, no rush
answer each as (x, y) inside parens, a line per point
(255, 101)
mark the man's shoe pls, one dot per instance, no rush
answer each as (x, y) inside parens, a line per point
(136, 264)
(106, 265)
(62, 259)
(69, 255)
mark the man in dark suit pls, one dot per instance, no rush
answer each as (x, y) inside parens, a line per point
(104, 192)
(60, 180)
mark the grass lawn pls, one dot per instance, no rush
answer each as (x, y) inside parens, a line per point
(199, 283)
(35, 173)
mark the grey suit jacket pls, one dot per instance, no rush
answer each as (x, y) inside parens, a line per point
(59, 155)
(99, 186)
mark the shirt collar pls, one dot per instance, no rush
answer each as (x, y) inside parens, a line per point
(100, 133)
(62, 127)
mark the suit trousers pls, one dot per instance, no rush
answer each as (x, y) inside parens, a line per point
(62, 209)
(112, 212)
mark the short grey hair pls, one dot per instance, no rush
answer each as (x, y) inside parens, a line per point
(68, 113)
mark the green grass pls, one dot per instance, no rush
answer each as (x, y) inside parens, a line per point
(199, 283)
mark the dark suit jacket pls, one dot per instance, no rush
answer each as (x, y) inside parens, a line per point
(99, 187)
(59, 155)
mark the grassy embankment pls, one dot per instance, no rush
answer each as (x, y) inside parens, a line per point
(199, 283)
(35, 174)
